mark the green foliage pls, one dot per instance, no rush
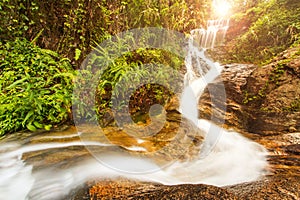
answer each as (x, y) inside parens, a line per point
(35, 87)
(36, 84)
(273, 80)
(273, 27)
(279, 67)
(249, 98)
(120, 76)
(294, 106)
(16, 17)
(71, 27)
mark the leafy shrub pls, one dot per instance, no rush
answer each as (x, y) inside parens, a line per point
(35, 87)
(122, 74)
(71, 27)
(263, 31)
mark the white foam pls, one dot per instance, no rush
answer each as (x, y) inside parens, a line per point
(225, 158)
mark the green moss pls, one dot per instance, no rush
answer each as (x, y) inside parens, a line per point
(274, 77)
(294, 106)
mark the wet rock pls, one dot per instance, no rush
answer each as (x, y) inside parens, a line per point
(136, 190)
(266, 119)
(275, 93)
(292, 149)
(279, 187)
(272, 123)
(272, 127)
(294, 63)
(227, 108)
(281, 183)
(263, 100)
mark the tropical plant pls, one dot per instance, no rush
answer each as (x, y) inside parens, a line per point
(35, 87)
(121, 79)
(261, 32)
(70, 27)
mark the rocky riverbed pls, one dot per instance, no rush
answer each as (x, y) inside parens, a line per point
(270, 118)
(261, 104)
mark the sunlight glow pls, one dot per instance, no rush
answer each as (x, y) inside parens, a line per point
(221, 7)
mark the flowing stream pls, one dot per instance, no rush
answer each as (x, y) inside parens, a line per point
(49, 165)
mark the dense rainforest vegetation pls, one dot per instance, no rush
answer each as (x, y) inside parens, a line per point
(42, 43)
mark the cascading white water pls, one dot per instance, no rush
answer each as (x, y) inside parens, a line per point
(225, 158)
(213, 35)
(228, 161)
(233, 160)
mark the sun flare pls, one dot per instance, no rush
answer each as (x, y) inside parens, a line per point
(221, 7)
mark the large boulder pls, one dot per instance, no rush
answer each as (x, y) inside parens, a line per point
(259, 99)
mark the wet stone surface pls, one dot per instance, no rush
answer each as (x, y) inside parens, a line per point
(278, 132)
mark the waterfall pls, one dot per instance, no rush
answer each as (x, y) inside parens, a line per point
(200, 69)
(225, 157)
(213, 35)
(200, 40)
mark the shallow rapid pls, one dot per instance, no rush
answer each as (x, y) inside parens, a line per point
(62, 163)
